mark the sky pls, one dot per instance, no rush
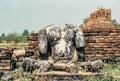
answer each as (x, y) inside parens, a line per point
(17, 15)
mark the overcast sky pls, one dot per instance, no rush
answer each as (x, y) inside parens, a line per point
(17, 15)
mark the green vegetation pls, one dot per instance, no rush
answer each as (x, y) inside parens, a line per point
(116, 23)
(84, 22)
(25, 33)
(100, 7)
(111, 72)
(14, 37)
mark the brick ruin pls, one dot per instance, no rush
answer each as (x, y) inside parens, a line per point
(102, 38)
(32, 46)
(102, 41)
(5, 58)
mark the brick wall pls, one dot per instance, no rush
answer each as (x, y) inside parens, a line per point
(102, 43)
(5, 59)
(102, 38)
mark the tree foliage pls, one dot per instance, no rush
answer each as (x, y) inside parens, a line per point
(14, 37)
(100, 7)
(11, 37)
(3, 35)
(25, 32)
(84, 22)
(116, 23)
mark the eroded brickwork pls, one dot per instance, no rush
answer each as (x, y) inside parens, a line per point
(5, 59)
(102, 38)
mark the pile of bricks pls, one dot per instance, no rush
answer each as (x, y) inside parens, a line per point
(5, 58)
(32, 44)
(102, 38)
(100, 18)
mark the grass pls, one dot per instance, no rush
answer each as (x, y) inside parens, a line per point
(111, 72)
(20, 76)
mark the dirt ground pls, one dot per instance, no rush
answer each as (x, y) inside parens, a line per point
(13, 45)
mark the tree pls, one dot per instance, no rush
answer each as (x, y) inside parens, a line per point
(100, 7)
(84, 22)
(3, 35)
(11, 37)
(81, 25)
(116, 23)
(21, 39)
(25, 32)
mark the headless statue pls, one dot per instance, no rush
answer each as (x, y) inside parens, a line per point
(63, 45)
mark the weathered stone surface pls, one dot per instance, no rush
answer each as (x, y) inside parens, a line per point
(72, 68)
(28, 65)
(93, 66)
(42, 41)
(6, 76)
(44, 66)
(60, 66)
(96, 65)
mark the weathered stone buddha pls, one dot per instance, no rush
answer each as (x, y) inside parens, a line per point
(62, 44)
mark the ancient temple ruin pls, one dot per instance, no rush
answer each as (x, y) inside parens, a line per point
(56, 52)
